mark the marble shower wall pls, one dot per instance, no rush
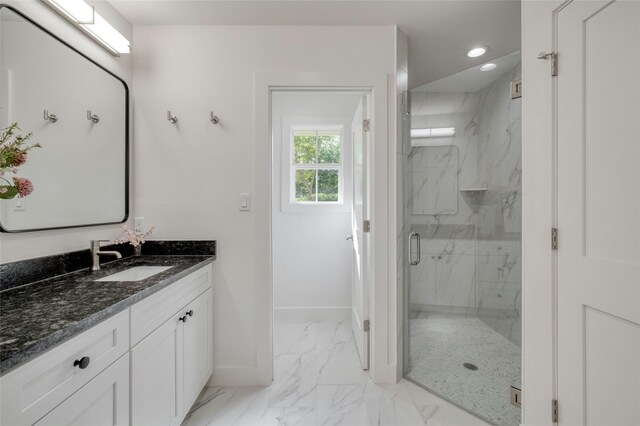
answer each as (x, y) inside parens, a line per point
(429, 166)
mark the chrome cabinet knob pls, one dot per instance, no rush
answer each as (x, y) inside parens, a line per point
(349, 237)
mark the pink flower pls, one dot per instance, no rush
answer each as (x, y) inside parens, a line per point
(24, 186)
(20, 159)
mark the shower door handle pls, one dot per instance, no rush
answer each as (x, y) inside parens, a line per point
(417, 259)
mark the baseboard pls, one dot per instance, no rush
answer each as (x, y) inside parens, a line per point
(312, 314)
(236, 376)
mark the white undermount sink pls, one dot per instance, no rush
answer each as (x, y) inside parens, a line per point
(136, 273)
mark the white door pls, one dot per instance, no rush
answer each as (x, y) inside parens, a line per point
(599, 213)
(156, 376)
(360, 213)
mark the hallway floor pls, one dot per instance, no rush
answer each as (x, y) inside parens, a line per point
(318, 381)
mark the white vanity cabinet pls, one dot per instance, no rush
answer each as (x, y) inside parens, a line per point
(144, 366)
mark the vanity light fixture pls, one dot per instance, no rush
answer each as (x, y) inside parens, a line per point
(437, 132)
(77, 11)
(86, 19)
(488, 67)
(477, 51)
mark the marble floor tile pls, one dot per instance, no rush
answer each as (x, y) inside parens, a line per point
(391, 405)
(295, 380)
(292, 416)
(338, 360)
(342, 405)
(318, 380)
(436, 411)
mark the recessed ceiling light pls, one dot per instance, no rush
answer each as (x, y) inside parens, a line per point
(477, 51)
(488, 67)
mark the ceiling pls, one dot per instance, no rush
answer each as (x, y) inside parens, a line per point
(440, 31)
(472, 79)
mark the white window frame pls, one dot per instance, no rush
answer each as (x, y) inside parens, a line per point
(291, 124)
(316, 166)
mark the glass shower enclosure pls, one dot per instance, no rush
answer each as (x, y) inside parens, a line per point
(461, 166)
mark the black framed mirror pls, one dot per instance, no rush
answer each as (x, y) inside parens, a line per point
(78, 112)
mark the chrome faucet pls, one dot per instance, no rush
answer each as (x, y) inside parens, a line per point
(95, 254)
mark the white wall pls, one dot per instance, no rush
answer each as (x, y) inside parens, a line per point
(33, 244)
(311, 258)
(189, 175)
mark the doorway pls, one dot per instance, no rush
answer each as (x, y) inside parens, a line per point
(320, 176)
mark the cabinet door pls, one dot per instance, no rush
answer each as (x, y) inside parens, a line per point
(102, 401)
(156, 376)
(198, 363)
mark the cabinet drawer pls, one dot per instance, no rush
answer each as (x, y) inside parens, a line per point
(150, 313)
(102, 401)
(34, 389)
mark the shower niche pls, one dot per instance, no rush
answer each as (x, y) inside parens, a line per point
(461, 168)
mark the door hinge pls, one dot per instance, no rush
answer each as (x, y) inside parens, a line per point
(554, 61)
(554, 410)
(366, 125)
(516, 396)
(554, 238)
(366, 326)
(516, 89)
(366, 226)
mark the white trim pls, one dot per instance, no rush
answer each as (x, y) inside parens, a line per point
(384, 326)
(338, 313)
(235, 376)
(539, 194)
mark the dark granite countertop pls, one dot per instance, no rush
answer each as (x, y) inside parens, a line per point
(36, 317)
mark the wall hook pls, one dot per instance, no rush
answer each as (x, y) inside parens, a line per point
(172, 118)
(92, 117)
(214, 118)
(51, 117)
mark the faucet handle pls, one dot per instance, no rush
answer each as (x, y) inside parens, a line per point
(96, 243)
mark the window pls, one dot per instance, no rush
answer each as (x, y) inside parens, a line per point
(316, 165)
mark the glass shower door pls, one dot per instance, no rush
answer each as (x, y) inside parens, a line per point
(461, 212)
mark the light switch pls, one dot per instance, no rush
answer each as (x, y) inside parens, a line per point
(244, 201)
(20, 204)
(138, 224)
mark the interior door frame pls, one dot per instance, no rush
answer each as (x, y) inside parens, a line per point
(382, 310)
(540, 212)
